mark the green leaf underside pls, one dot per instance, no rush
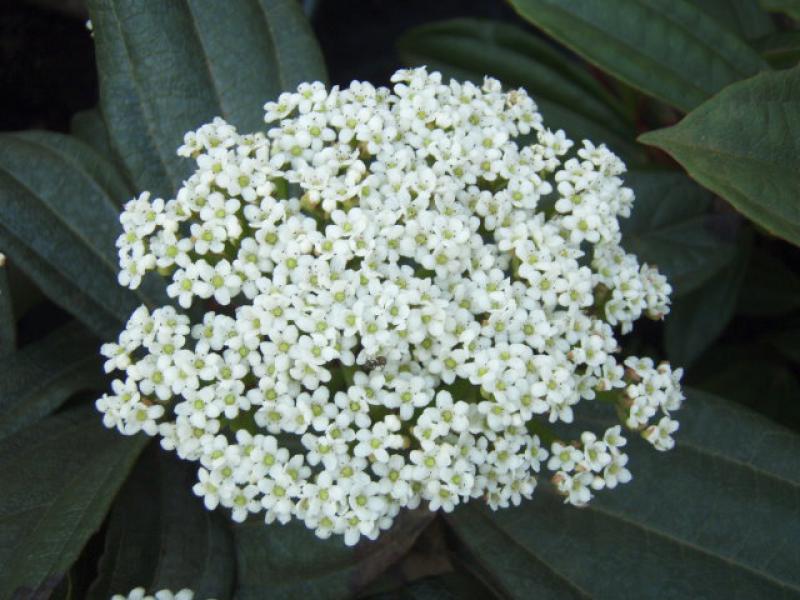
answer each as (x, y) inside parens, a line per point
(60, 229)
(37, 379)
(469, 49)
(288, 561)
(166, 68)
(160, 536)
(669, 49)
(718, 517)
(744, 144)
(671, 227)
(59, 479)
(8, 325)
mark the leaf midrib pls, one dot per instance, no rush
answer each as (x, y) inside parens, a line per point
(658, 532)
(625, 44)
(67, 225)
(558, 574)
(98, 303)
(76, 165)
(206, 60)
(107, 471)
(147, 117)
(39, 387)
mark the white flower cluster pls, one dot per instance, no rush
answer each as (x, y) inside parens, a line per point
(402, 302)
(139, 593)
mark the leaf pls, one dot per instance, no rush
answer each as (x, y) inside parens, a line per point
(90, 127)
(781, 49)
(787, 342)
(672, 227)
(469, 49)
(717, 517)
(59, 479)
(8, 322)
(745, 18)
(173, 66)
(770, 287)
(789, 7)
(515, 56)
(160, 536)
(37, 379)
(669, 49)
(458, 585)
(288, 561)
(426, 560)
(59, 222)
(697, 319)
(751, 374)
(744, 144)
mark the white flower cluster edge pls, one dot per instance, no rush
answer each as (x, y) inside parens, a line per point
(391, 297)
(139, 593)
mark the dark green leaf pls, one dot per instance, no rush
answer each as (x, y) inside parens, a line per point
(718, 517)
(671, 227)
(37, 379)
(789, 7)
(168, 67)
(697, 319)
(427, 559)
(59, 222)
(160, 536)
(469, 49)
(59, 286)
(458, 585)
(90, 127)
(669, 49)
(787, 342)
(516, 57)
(781, 49)
(59, 479)
(751, 374)
(744, 145)
(745, 18)
(8, 322)
(288, 561)
(770, 287)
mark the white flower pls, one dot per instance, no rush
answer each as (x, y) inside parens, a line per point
(661, 435)
(396, 286)
(563, 457)
(575, 487)
(616, 472)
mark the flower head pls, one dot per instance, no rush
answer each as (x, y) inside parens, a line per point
(399, 297)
